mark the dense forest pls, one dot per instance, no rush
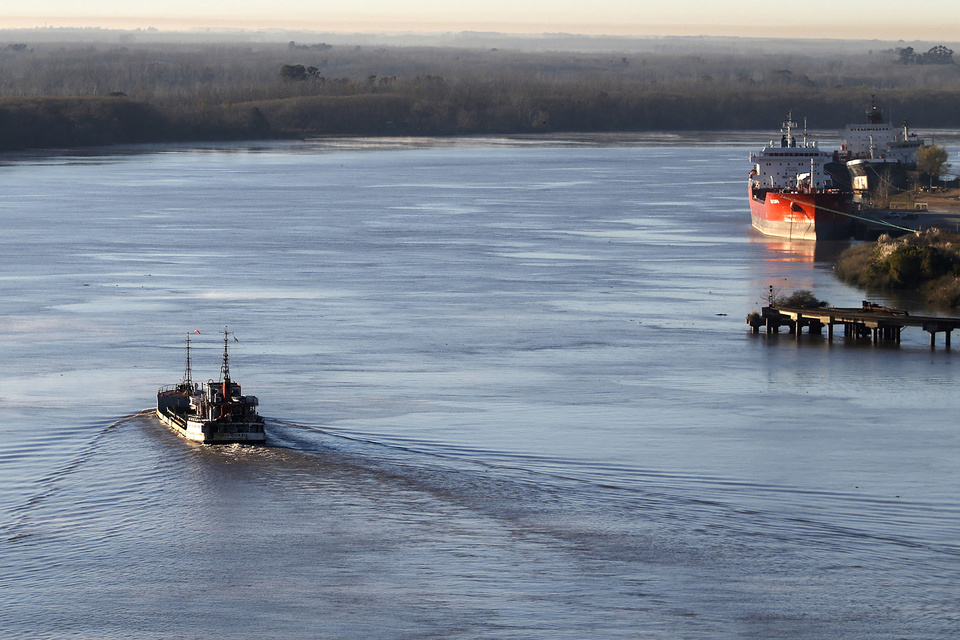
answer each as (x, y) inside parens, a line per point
(58, 94)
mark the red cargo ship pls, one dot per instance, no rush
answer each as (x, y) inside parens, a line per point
(792, 194)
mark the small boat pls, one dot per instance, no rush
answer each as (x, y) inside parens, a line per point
(215, 412)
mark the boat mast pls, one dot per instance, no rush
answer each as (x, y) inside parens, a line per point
(225, 367)
(788, 126)
(187, 374)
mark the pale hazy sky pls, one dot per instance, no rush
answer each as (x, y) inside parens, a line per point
(852, 19)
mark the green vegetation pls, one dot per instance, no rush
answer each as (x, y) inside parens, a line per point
(932, 161)
(928, 261)
(802, 298)
(939, 54)
(57, 94)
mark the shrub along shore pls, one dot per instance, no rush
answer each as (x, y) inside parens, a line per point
(927, 261)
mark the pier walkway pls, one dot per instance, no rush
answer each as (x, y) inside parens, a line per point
(870, 321)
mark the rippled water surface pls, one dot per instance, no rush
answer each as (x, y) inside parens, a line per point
(509, 394)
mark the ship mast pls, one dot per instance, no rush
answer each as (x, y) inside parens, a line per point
(187, 374)
(225, 367)
(789, 125)
(787, 139)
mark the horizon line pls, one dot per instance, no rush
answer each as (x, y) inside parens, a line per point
(226, 30)
(165, 25)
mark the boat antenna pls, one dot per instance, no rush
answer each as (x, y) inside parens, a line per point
(225, 367)
(187, 374)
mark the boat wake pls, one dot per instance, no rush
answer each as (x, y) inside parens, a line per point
(334, 500)
(51, 482)
(545, 487)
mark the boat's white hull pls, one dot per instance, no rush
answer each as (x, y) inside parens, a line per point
(205, 432)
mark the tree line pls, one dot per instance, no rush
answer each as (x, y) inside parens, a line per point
(62, 95)
(939, 54)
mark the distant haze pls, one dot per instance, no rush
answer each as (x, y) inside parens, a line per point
(852, 19)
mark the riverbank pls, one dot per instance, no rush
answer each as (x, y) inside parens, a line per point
(927, 261)
(913, 212)
(942, 210)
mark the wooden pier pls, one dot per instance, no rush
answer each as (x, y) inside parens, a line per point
(869, 322)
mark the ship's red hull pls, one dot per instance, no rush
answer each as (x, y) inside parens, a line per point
(822, 215)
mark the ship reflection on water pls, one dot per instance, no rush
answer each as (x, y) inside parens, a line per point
(786, 251)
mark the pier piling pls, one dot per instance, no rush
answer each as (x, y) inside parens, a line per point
(873, 322)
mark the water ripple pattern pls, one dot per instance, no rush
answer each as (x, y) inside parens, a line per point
(509, 394)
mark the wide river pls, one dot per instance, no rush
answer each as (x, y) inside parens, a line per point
(509, 393)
